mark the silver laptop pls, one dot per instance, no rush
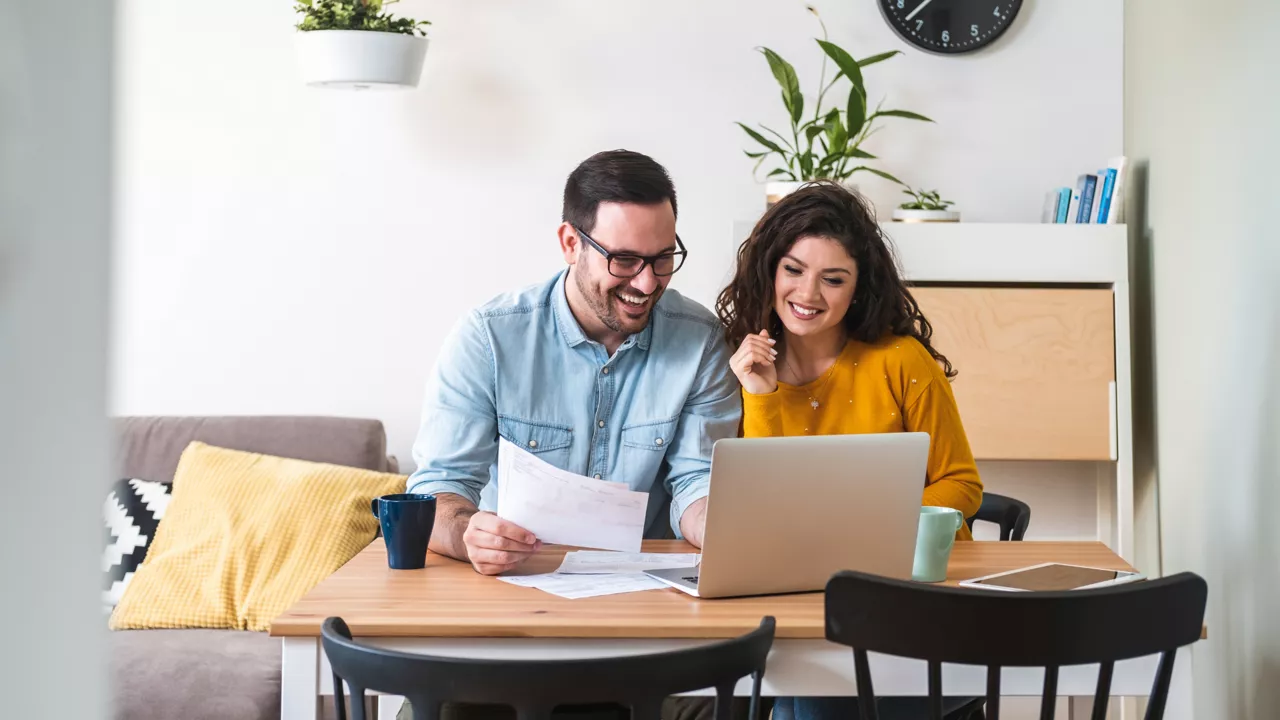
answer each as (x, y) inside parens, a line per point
(786, 513)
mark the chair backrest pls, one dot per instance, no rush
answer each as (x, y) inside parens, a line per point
(1011, 515)
(535, 687)
(1036, 629)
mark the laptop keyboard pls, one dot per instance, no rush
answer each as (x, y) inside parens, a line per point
(690, 578)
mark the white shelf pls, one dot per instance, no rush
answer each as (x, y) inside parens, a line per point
(1005, 252)
(1015, 253)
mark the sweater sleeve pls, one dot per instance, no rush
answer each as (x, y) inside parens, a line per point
(762, 415)
(952, 476)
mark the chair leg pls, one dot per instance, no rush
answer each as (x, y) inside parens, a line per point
(866, 693)
(754, 711)
(339, 698)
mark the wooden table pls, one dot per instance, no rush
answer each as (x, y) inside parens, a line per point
(448, 609)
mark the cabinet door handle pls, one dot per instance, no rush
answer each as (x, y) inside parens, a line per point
(1111, 420)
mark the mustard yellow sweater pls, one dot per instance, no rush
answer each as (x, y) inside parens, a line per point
(893, 385)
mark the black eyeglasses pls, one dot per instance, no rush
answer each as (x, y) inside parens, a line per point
(629, 265)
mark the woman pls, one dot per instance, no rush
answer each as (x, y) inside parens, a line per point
(829, 341)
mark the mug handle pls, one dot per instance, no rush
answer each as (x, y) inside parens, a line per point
(374, 506)
(959, 520)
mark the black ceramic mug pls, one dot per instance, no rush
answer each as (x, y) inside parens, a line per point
(407, 520)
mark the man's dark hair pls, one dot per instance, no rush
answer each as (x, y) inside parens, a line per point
(614, 176)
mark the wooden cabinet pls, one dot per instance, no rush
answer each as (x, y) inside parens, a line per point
(1036, 368)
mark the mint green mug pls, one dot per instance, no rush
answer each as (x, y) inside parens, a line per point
(934, 538)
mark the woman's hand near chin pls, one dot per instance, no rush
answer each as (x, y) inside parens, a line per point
(753, 364)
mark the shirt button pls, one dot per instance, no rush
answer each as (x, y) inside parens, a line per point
(605, 371)
(600, 424)
(597, 476)
(657, 441)
(533, 443)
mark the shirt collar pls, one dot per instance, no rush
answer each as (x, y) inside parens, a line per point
(572, 331)
(642, 338)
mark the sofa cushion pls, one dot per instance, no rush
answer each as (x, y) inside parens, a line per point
(149, 447)
(131, 514)
(246, 536)
(195, 675)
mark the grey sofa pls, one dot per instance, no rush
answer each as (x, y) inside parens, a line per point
(222, 674)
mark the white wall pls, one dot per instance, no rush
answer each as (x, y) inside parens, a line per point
(1206, 231)
(55, 62)
(287, 250)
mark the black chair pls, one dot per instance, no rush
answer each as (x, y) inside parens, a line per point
(1037, 629)
(535, 687)
(1011, 515)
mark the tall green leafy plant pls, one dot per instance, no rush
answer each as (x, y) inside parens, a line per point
(355, 15)
(829, 144)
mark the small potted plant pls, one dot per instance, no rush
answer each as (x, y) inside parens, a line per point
(354, 44)
(827, 145)
(925, 206)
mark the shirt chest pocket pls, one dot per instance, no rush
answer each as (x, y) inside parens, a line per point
(652, 436)
(644, 446)
(548, 441)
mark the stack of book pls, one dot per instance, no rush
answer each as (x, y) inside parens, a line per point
(1097, 198)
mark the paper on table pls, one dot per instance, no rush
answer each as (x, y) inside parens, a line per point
(575, 587)
(566, 509)
(596, 563)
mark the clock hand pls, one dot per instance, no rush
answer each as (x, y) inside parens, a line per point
(918, 9)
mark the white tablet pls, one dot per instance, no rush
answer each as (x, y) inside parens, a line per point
(1053, 576)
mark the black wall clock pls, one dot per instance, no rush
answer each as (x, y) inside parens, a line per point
(950, 26)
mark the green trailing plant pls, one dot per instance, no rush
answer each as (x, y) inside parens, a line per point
(355, 15)
(828, 145)
(924, 200)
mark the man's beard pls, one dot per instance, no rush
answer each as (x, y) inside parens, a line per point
(602, 304)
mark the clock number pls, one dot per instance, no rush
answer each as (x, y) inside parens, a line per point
(947, 27)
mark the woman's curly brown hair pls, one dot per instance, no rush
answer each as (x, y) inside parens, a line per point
(882, 305)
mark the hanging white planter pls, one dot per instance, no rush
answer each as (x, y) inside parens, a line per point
(360, 59)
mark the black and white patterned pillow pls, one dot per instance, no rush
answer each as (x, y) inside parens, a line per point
(132, 512)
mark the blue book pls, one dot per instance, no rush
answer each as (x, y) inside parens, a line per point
(1087, 184)
(1099, 180)
(1064, 202)
(1108, 188)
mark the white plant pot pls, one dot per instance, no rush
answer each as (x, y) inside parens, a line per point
(775, 190)
(360, 59)
(918, 216)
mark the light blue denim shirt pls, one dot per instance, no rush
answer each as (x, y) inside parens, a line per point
(522, 368)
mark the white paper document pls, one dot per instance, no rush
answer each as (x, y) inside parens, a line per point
(586, 562)
(562, 508)
(576, 587)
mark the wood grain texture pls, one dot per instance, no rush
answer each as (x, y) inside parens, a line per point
(1035, 364)
(449, 599)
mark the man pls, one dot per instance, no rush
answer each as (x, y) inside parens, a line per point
(601, 371)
